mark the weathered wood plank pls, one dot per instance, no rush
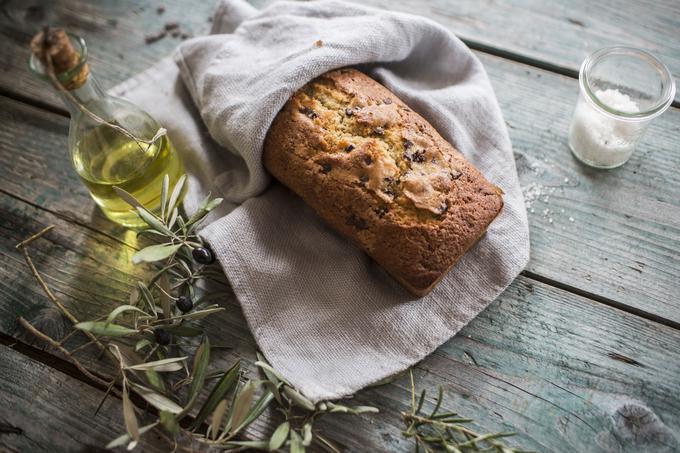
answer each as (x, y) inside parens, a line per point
(553, 34)
(558, 35)
(598, 231)
(563, 371)
(44, 410)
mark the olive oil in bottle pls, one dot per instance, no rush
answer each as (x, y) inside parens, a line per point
(104, 158)
(110, 139)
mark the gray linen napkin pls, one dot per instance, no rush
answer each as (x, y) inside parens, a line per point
(326, 316)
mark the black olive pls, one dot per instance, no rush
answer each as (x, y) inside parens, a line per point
(184, 304)
(203, 255)
(162, 337)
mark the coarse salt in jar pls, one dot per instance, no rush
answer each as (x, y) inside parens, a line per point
(621, 90)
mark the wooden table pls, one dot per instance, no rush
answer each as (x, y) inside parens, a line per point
(580, 353)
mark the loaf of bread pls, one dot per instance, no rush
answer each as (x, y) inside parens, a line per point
(381, 175)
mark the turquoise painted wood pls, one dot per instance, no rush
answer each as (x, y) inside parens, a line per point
(560, 369)
(551, 358)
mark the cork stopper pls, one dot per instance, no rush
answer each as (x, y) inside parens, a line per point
(55, 45)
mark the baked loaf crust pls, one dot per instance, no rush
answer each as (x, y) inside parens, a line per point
(381, 175)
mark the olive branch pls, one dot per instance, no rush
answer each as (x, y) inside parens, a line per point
(162, 358)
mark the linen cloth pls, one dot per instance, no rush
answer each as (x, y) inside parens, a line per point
(326, 316)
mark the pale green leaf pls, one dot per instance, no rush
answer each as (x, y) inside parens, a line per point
(153, 221)
(105, 329)
(256, 444)
(160, 402)
(298, 398)
(169, 422)
(155, 380)
(173, 218)
(279, 437)
(143, 343)
(146, 296)
(155, 253)
(125, 438)
(122, 309)
(131, 424)
(164, 195)
(269, 371)
(127, 197)
(307, 434)
(296, 443)
(170, 364)
(176, 192)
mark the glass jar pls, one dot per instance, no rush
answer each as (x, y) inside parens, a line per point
(102, 155)
(621, 90)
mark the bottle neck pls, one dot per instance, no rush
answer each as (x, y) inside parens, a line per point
(86, 94)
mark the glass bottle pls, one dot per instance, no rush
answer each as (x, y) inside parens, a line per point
(102, 155)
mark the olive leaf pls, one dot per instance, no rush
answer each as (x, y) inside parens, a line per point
(141, 344)
(155, 380)
(242, 404)
(125, 438)
(307, 434)
(131, 424)
(296, 443)
(169, 422)
(198, 372)
(160, 402)
(217, 417)
(226, 383)
(164, 194)
(122, 309)
(170, 364)
(256, 410)
(155, 253)
(279, 437)
(153, 221)
(127, 197)
(176, 192)
(298, 398)
(105, 329)
(182, 330)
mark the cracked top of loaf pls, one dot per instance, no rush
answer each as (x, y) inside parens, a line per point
(381, 175)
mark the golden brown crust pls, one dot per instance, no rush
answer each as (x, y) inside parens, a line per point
(381, 175)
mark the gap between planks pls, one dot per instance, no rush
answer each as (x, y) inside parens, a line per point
(521, 59)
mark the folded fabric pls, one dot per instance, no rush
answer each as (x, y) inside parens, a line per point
(327, 317)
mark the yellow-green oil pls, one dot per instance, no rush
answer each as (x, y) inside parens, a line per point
(104, 158)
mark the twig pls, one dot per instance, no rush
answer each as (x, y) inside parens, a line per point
(28, 326)
(50, 295)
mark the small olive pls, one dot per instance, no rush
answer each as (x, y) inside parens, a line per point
(162, 337)
(203, 255)
(184, 304)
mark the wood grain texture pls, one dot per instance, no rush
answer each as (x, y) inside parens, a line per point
(614, 234)
(558, 35)
(555, 35)
(44, 410)
(566, 373)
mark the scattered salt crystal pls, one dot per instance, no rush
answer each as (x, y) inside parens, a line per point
(566, 180)
(571, 219)
(550, 220)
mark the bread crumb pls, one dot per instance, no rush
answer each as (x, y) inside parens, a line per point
(318, 43)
